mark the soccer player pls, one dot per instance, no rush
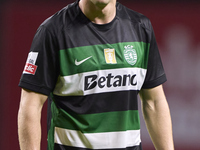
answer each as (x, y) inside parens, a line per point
(91, 59)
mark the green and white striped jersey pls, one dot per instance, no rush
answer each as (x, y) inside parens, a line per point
(92, 75)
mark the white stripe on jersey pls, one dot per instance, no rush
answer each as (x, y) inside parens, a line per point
(106, 140)
(100, 81)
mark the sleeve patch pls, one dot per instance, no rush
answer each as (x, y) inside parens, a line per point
(30, 67)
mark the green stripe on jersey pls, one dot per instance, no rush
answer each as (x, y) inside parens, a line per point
(96, 59)
(100, 122)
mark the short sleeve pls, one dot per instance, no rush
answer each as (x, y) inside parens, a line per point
(41, 69)
(155, 71)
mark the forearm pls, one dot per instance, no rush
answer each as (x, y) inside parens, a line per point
(158, 122)
(29, 116)
(29, 129)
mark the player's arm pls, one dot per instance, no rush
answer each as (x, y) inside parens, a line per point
(157, 117)
(29, 115)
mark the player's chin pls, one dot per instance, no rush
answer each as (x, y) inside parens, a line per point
(101, 2)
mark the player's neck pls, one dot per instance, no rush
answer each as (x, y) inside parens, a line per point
(99, 14)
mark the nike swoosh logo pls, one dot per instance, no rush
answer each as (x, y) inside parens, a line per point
(77, 63)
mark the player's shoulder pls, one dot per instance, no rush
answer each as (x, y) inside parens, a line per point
(134, 17)
(61, 18)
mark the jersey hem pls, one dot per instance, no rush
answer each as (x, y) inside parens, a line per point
(61, 147)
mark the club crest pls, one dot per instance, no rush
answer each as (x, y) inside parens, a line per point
(130, 54)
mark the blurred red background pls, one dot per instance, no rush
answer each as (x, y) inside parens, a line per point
(176, 26)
